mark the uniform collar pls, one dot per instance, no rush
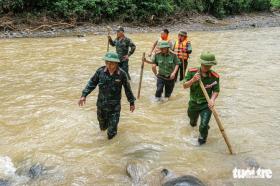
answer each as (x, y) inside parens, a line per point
(208, 74)
(116, 72)
(166, 53)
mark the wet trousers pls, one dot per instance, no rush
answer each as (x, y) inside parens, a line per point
(205, 114)
(108, 119)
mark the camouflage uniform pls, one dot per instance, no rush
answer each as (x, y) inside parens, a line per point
(122, 49)
(109, 97)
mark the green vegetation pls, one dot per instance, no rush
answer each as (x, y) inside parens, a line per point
(130, 10)
(275, 3)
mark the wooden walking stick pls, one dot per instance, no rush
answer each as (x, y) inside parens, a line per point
(183, 60)
(216, 117)
(108, 30)
(141, 76)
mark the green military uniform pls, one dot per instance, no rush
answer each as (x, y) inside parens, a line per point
(122, 49)
(166, 64)
(198, 104)
(109, 96)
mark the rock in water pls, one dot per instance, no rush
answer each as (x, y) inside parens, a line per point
(4, 182)
(136, 170)
(35, 171)
(186, 180)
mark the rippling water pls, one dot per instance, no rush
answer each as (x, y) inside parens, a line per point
(42, 79)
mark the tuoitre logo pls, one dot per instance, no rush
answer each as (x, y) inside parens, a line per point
(251, 173)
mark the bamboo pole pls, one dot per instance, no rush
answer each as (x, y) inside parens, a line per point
(108, 30)
(216, 117)
(183, 60)
(141, 76)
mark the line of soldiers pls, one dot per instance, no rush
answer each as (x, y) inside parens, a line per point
(167, 59)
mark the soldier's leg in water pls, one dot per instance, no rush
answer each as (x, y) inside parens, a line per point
(169, 86)
(113, 124)
(160, 85)
(102, 119)
(193, 115)
(205, 116)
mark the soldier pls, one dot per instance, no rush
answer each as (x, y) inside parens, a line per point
(110, 79)
(122, 44)
(182, 47)
(198, 104)
(164, 36)
(168, 64)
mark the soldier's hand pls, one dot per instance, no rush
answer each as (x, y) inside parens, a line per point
(172, 76)
(211, 104)
(82, 101)
(125, 57)
(144, 58)
(132, 108)
(196, 77)
(109, 37)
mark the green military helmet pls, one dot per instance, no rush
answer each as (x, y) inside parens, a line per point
(111, 57)
(208, 59)
(164, 44)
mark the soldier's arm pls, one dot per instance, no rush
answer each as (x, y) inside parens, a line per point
(190, 79)
(147, 61)
(154, 46)
(132, 48)
(215, 94)
(112, 43)
(154, 64)
(91, 85)
(216, 90)
(213, 99)
(128, 92)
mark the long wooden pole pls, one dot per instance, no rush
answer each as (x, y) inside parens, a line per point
(183, 60)
(216, 117)
(141, 76)
(108, 30)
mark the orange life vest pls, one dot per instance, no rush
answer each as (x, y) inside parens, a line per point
(156, 50)
(179, 46)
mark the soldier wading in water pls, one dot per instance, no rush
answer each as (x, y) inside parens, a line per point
(110, 79)
(122, 44)
(198, 105)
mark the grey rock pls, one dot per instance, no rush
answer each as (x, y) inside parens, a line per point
(4, 182)
(35, 171)
(186, 180)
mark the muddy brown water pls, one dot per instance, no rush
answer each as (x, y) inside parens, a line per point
(42, 79)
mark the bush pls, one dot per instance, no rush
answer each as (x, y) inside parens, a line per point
(129, 10)
(275, 3)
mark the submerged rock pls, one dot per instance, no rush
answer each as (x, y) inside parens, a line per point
(35, 171)
(4, 182)
(136, 170)
(186, 180)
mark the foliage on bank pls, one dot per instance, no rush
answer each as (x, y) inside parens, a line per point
(130, 10)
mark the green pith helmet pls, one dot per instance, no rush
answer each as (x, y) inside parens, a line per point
(182, 33)
(208, 59)
(111, 57)
(164, 44)
(120, 29)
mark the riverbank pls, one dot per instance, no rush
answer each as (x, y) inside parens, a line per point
(196, 22)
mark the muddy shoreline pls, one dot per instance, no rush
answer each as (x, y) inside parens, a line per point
(191, 23)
